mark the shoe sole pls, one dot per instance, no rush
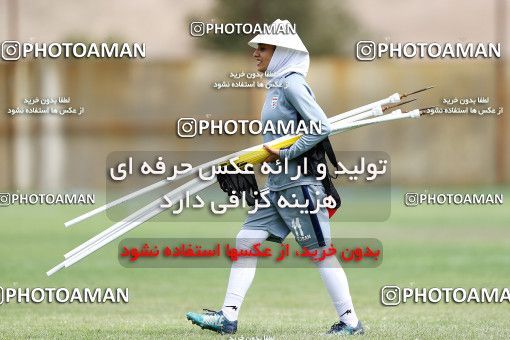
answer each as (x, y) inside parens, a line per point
(357, 332)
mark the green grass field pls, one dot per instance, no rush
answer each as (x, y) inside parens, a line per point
(426, 246)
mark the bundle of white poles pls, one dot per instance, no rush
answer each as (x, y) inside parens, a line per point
(361, 116)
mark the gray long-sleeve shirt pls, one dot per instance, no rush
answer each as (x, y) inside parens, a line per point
(285, 104)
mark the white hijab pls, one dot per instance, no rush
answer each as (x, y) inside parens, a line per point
(286, 60)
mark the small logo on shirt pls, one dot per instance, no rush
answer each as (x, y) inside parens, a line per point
(274, 102)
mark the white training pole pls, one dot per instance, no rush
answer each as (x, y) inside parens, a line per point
(171, 195)
(395, 115)
(143, 217)
(115, 202)
(163, 183)
(393, 99)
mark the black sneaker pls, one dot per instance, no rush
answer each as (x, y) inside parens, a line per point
(342, 328)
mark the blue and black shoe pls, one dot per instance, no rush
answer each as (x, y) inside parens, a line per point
(341, 328)
(213, 320)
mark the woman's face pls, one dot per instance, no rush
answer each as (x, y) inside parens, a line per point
(263, 55)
